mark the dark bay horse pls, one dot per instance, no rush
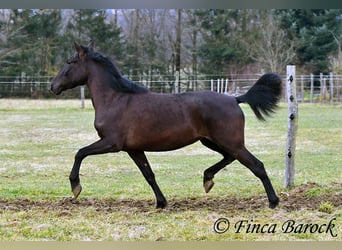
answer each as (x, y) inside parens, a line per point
(130, 118)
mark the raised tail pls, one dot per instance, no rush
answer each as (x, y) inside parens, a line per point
(263, 96)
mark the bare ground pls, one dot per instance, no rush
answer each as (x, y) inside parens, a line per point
(299, 198)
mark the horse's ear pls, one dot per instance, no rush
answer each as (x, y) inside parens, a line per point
(80, 50)
(77, 47)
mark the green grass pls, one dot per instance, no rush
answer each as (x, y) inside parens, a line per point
(38, 141)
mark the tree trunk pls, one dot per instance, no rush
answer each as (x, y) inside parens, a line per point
(178, 46)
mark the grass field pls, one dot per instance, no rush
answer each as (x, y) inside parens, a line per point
(38, 141)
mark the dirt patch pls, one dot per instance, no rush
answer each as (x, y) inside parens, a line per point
(311, 195)
(306, 196)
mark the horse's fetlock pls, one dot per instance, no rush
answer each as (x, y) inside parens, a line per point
(207, 175)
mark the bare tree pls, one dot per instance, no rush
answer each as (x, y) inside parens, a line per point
(336, 61)
(6, 32)
(273, 50)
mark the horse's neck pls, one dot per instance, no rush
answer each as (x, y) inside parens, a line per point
(102, 95)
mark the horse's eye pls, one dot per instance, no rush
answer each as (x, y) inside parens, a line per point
(66, 72)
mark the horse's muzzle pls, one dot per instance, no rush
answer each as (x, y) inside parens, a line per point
(55, 88)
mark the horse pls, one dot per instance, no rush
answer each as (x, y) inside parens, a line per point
(130, 118)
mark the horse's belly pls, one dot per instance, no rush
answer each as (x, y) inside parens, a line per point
(168, 145)
(161, 141)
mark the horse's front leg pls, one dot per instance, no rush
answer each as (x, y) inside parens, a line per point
(100, 147)
(140, 159)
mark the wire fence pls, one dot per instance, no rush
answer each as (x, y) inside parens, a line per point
(310, 88)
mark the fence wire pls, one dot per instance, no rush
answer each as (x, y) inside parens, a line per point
(310, 88)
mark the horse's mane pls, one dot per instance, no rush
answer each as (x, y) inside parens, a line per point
(119, 83)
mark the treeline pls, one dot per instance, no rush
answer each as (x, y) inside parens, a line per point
(163, 42)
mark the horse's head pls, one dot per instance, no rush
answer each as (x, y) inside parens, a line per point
(74, 72)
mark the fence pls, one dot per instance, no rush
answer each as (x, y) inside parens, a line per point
(310, 88)
(319, 88)
(26, 87)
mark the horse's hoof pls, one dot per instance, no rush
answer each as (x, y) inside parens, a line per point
(77, 190)
(161, 204)
(208, 185)
(274, 204)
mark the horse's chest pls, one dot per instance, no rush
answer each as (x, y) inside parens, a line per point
(104, 126)
(99, 125)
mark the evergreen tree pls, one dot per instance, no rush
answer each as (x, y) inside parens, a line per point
(87, 24)
(222, 48)
(314, 31)
(151, 43)
(34, 37)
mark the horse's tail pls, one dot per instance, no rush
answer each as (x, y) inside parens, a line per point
(263, 96)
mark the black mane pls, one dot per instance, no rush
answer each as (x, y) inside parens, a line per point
(119, 83)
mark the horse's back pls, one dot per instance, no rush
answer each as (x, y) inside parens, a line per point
(213, 105)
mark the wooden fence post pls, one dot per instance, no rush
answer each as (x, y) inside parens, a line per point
(302, 88)
(177, 82)
(311, 87)
(82, 97)
(321, 87)
(292, 125)
(324, 89)
(226, 86)
(331, 86)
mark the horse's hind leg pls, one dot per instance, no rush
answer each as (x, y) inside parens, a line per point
(209, 173)
(140, 159)
(257, 167)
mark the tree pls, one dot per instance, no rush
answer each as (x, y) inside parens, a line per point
(5, 34)
(191, 33)
(222, 48)
(33, 35)
(87, 24)
(270, 47)
(178, 40)
(314, 31)
(152, 44)
(336, 60)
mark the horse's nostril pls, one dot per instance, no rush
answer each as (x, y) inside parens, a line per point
(54, 89)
